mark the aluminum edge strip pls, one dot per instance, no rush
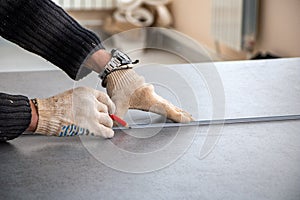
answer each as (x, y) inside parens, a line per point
(213, 122)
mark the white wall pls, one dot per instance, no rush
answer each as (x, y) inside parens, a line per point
(278, 30)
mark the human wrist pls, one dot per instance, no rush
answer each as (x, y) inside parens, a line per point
(123, 80)
(34, 117)
(51, 113)
(98, 60)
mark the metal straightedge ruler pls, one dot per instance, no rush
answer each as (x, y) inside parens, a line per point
(213, 122)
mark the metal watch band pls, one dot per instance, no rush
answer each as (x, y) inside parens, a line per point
(118, 61)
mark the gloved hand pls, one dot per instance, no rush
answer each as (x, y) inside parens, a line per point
(82, 111)
(128, 90)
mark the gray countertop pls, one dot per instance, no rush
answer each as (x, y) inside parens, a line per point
(247, 161)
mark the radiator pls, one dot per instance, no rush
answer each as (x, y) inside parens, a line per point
(85, 4)
(234, 23)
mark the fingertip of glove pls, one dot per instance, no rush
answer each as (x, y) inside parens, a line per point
(112, 108)
(186, 119)
(109, 134)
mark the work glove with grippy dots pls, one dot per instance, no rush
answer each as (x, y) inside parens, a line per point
(128, 90)
(79, 111)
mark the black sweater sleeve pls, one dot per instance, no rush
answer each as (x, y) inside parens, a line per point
(42, 27)
(15, 116)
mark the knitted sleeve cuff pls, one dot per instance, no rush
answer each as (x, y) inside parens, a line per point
(42, 27)
(15, 116)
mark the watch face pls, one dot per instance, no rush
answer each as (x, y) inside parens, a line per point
(123, 58)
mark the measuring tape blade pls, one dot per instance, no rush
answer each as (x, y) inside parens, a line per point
(212, 122)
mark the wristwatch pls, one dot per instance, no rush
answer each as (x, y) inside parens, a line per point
(119, 60)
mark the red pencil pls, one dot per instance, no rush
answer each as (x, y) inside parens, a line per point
(119, 120)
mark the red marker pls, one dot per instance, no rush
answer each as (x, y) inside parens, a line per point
(119, 120)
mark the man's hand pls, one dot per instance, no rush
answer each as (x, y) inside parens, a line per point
(80, 111)
(128, 90)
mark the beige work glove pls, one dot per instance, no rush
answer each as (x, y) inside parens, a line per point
(128, 90)
(79, 111)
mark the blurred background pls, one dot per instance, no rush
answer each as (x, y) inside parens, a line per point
(232, 29)
(227, 29)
